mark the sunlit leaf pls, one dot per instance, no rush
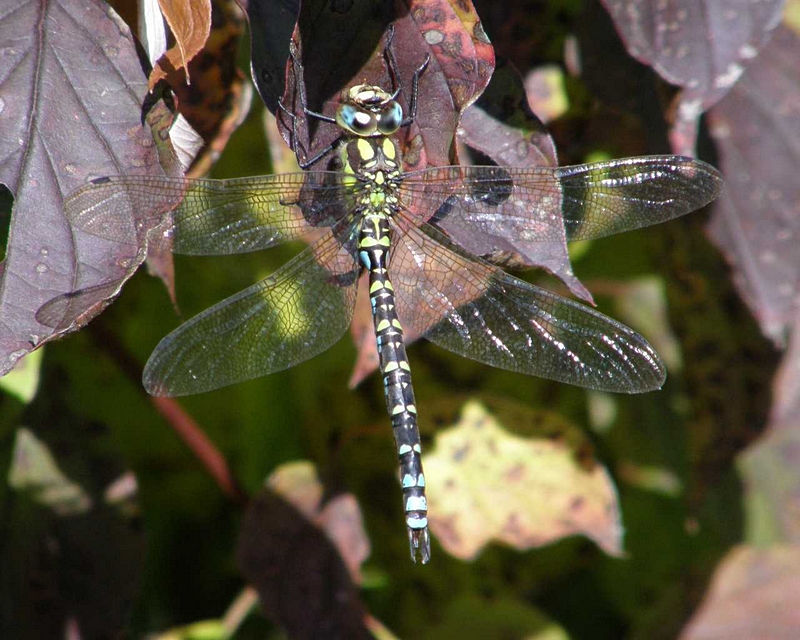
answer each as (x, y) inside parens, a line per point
(650, 478)
(486, 484)
(23, 380)
(769, 466)
(642, 304)
(33, 468)
(152, 29)
(769, 474)
(203, 630)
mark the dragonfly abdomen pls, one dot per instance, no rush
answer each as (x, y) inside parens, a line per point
(374, 244)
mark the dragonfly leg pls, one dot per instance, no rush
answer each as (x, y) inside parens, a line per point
(305, 164)
(294, 144)
(395, 73)
(303, 161)
(412, 103)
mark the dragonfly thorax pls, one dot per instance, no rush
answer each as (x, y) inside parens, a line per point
(369, 111)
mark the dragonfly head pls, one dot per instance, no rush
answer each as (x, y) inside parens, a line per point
(369, 111)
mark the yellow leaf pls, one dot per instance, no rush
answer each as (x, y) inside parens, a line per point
(485, 483)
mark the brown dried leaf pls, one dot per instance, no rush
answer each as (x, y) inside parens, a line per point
(190, 23)
(218, 99)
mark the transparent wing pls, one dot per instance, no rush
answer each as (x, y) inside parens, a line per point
(539, 204)
(208, 217)
(476, 310)
(296, 313)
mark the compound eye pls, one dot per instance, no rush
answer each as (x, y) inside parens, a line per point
(361, 123)
(390, 118)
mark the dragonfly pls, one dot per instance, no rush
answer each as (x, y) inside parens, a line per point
(378, 219)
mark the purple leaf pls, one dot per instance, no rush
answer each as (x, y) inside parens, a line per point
(71, 87)
(699, 45)
(348, 47)
(757, 223)
(752, 594)
(501, 125)
(271, 26)
(302, 582)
